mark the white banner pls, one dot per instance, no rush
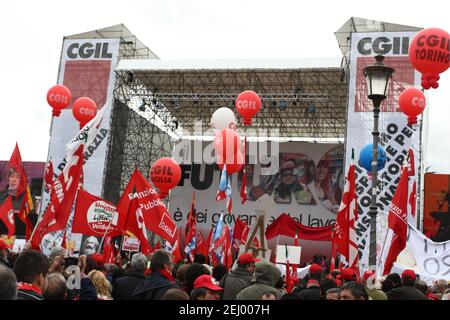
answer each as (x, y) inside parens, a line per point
(431, 260)
(87, 69)
(396, 135)
(311, 195)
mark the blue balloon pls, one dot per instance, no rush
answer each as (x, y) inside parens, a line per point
(365, 158)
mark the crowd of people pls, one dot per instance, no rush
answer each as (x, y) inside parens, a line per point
(31, 275)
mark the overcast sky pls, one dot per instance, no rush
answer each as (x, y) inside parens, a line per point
(33, 32)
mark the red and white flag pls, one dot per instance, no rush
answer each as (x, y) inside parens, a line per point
(344, 238)
(128, 206)
(62, 197)
(7, 216)
(397, 222)
(157, 218)
(49, 176)
(97, 217)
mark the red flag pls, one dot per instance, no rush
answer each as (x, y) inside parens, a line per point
(288, 280)
(294, 266)
(64, 240)
(344, 232)
(7, 216)
(205, 249)
(411, 166)
(412, 200)
(176, 250)
(255, 243)
(157, 218)
(226, 248)
(108, 251)
(240, 231)
(48, 176)
(190, 237)
(397, 221)
(62, 196)
(15, 162)
(244, 175)
(128, 206)
(97, 217)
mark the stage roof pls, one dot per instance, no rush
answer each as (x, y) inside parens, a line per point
(302, 98)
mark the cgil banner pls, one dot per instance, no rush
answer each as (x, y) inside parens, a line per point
(396, 135)
(87, 69)
(305, 183)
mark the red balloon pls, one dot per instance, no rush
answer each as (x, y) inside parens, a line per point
(84, 109)
(227, 143)
(235, 166)
(429, 53)
(58, 97)
(412, 102)
(248, 104)
(165, 174)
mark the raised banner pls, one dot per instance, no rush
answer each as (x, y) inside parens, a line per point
(87, 69)
(396, 135)
(306, 184)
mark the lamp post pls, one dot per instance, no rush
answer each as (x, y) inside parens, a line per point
(377, 77)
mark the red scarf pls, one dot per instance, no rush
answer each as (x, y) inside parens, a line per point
(29, 287)
(166, 275)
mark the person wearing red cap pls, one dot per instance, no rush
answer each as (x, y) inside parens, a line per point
(348, 274)
(239, 278)
(408, 291)
(369, 281)
(4, 249)
(205, 288)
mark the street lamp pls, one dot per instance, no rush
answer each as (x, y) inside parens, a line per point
(377, 77)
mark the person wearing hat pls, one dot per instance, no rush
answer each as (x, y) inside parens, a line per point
(4, 249)
(311, 292)
(348, 274)
(314, 273)
(266, 277)
(408, 291)
(205, 288)
(239, 278)
(369, 282)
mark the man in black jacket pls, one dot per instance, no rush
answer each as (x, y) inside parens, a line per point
(312, 291)
(125, 286)
(239, 278)
(408, 291)
(155, 286)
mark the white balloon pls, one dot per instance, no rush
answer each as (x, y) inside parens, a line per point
(223, 118)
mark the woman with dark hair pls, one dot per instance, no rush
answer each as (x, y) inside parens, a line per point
(302, 194)
(322, 186)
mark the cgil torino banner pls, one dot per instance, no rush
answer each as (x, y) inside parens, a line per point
(396, 135)
(304, 180)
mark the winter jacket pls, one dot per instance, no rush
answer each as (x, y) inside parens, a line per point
(376, 294)
(406, 293)
(124, 286)
(266, 276)
(153, 287)
(234, 282)
(28, 295)
(88, 291)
